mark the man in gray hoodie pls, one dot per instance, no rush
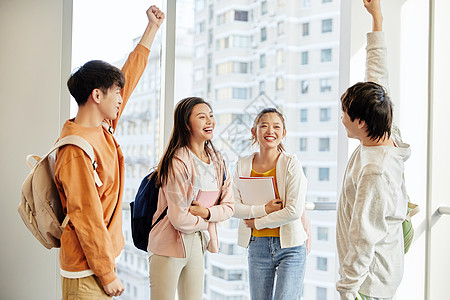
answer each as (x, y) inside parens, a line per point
(373, 202)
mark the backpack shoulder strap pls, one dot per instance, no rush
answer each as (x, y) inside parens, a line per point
(78, 141)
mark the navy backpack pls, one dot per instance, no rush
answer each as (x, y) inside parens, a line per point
(142, 210)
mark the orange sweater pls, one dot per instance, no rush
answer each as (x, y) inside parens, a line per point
(93, 238)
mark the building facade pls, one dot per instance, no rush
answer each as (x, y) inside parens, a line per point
(242, 55)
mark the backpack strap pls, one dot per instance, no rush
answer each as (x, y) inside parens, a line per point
(75, 140)
(71, 140)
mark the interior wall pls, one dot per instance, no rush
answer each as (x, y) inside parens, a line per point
(439, 242)
(33, 61)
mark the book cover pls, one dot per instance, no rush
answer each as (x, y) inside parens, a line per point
(257, 190)
(207, 197)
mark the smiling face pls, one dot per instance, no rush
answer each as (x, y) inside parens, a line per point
(269, 131)
(110, 102)
(201, 123)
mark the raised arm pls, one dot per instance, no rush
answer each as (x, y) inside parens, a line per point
(155, 19)
(376, 57)
(137, 60)
(374, 8)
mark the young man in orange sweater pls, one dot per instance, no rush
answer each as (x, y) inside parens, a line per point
(93, 240)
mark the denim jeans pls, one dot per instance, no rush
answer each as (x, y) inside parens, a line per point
(268, 262)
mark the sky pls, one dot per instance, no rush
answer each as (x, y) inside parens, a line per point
(105, 29)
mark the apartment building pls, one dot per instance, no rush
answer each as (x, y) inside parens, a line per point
(242, 56)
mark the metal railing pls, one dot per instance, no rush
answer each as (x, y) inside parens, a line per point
(443, 210)
(320, 205)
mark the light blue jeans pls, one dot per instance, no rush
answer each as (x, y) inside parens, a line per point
(267, 261)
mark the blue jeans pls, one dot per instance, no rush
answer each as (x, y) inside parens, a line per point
(267, 261)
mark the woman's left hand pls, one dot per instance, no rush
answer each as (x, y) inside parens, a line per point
(250, 223)
(197, 209)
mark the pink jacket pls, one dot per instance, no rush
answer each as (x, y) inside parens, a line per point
(177, 194)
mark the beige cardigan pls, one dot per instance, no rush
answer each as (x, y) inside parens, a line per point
(291, 183)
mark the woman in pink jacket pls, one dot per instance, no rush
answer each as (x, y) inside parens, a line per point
(177, 243)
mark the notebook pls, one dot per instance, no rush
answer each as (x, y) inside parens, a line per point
(207, 197)
(257, 190)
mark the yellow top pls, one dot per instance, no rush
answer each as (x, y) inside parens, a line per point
(273, 232)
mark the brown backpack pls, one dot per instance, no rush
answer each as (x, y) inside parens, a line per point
(41, 208)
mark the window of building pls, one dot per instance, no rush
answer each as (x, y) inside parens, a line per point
(322, 233)
(210, 38)
(235, 275)
(209, 64)
(224, 94)
(211, 13)
(304, 85)
(325, 85)
(281, 3)
(322, 264)
(327, 1)
(324, 144)
(199, 74)
(305, 29)
(305, 55)
(321, 293)
(327, 25)
(199, 5)
(240, 93)
(303, 144)
(263, 34)
(280, 28)
(241, 15)
(306, 3)
(325, 114)
(262, 87)
(199, 27)
(218, 272)
(304, 115)
(200, 51)
(233, 67)
(241, 41)
(262, 61)
(263, 7)
(280, 57)
(224, 18)
(324, 174)
(325, 55)
(280, 83)
(241, 67)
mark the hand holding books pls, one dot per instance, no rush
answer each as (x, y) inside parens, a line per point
(273, 205)
(204, 200)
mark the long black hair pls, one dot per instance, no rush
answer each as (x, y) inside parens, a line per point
(180, 136)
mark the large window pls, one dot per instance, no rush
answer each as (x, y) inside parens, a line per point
(240, 58)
